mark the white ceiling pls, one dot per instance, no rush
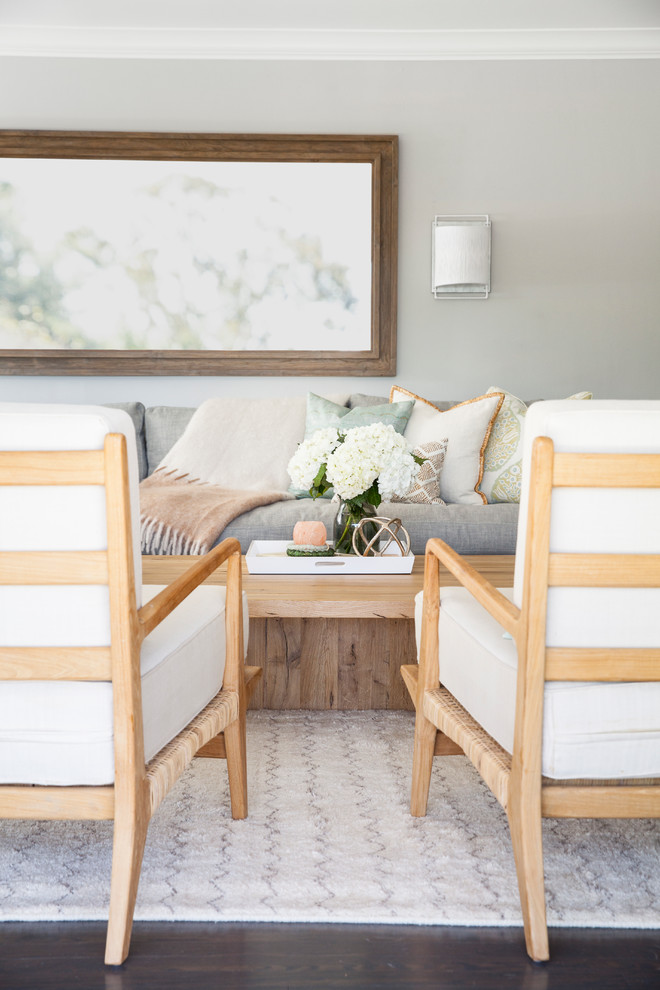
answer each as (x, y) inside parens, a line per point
(353, 29)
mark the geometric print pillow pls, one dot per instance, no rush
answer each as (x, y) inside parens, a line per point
(503, 456)
(425, 489)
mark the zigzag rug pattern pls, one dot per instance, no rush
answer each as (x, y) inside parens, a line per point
(329, 838)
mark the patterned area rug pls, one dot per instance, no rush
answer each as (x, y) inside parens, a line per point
(329, 838)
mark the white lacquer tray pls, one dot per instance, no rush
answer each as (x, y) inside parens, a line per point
(270, 557)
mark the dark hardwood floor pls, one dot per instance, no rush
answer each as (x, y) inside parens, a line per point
(323, 957)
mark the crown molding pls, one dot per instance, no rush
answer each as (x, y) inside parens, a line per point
(320, 44)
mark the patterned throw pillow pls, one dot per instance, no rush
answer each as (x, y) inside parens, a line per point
(426, 487)
(503, 457)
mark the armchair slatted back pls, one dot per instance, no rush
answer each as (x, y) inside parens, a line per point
(590, 600)
(69, 572)
(598, 505)
(636, 655)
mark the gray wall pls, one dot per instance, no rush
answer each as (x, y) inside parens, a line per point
(564, 156)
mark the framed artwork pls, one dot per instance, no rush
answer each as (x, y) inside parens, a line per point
(197, 254)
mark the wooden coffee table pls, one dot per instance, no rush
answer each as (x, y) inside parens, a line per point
(331, 641)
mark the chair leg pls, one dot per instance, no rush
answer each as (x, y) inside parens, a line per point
(130, 835)
(237, 765)
(425, 736)
(527, 841)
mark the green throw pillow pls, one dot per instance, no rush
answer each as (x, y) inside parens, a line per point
(323, 413)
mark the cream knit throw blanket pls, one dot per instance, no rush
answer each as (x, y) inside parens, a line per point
(231, 458)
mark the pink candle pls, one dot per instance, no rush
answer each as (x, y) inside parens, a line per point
(309, 533)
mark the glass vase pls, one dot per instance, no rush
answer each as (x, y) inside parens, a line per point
(349, 516)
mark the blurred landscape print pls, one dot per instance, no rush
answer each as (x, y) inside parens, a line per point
(152, 255)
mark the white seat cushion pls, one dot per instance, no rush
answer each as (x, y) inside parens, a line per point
(589, 730)
(62, 732)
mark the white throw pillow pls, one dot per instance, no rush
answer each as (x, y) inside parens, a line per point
(503, 457)
(467, 428)
(239, 443)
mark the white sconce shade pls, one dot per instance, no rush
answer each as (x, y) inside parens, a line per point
(461, 257)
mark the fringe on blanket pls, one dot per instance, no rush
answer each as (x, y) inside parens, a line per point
(183, 515)
(160, 539)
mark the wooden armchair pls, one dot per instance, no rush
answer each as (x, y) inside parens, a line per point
(105, 700)
(560, 714)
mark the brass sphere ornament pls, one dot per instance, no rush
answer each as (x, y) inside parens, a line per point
(389, 531)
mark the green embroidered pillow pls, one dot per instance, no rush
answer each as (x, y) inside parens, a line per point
(503, 457)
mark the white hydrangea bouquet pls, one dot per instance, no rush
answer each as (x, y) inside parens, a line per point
(364, 465)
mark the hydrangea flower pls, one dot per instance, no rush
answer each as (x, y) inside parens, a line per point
(365, 464)
(311, 455)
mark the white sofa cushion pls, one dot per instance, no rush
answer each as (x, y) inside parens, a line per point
(589, 730)
(62, 732)
(466, 428)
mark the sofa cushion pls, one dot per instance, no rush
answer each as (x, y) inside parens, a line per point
(425, 489)
(163, 426)
(363, 399)
(467, 427)
(589, 730)
(470, 529)
(136, 411)
(503, 456)
(322, 414)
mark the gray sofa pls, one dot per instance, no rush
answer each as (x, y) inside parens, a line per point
(470, 529)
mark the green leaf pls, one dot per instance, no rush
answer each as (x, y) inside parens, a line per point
(320, 484)
(373, 495)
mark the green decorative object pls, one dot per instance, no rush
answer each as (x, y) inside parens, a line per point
(297, 550)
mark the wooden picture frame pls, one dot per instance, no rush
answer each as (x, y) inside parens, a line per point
(381, 152)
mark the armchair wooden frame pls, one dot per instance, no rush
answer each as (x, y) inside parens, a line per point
(138, 788)
(443, 726)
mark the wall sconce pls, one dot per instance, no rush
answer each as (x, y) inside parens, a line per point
(461, 257)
